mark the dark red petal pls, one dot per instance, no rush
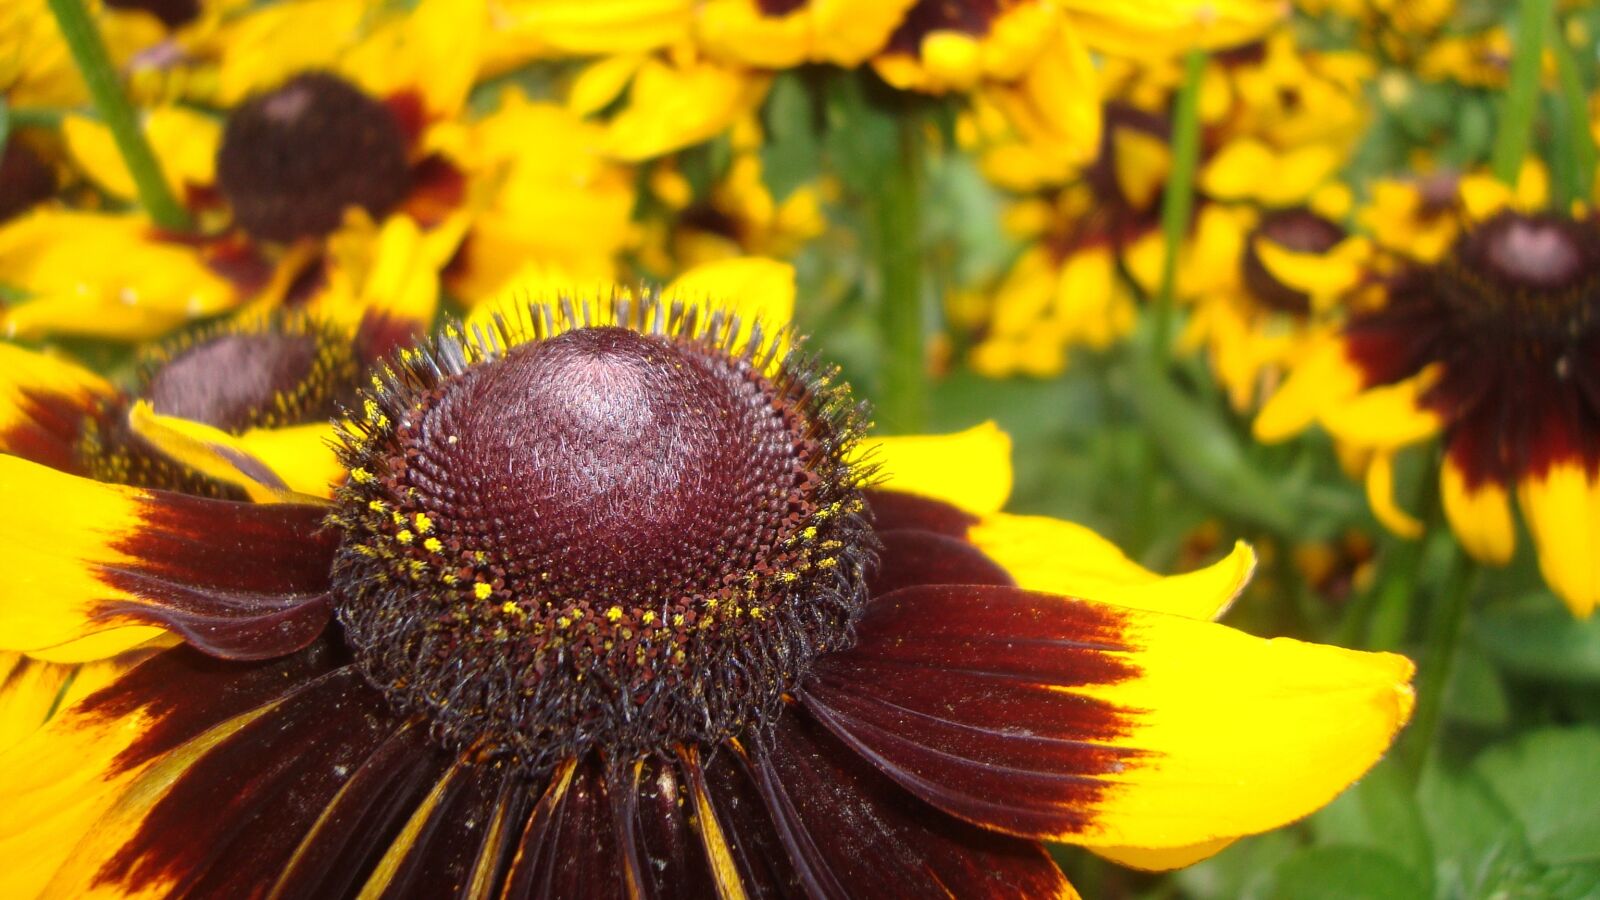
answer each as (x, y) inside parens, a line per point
(569, 848)
(753, 840)
(184, 693)
(237, 580)
(893, 510)
(659, 848)
(853, 833)
(954, 693)
(909, 558)
(230, 821)
(48, 430)
(462, 846)
(362, 819)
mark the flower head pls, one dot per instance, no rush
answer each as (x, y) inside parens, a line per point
(613, 597)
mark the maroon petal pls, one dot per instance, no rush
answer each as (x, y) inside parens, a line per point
(569, 848)
(659, 848)
(47, 428)
(852, 833)
(183, 693)
(461, 846)
(893, 510)
(364, 817)
(909, 558)
(753, 840)
(237, 580)
(954, 692)
(231, 820)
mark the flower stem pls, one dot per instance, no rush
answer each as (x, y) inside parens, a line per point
(1444, 637)
(902, 390)
(1574, 100)
(89, 51)
(1177, 204)
(1522, 93)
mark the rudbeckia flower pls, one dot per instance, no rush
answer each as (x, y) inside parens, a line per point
(778, 34)
(36, 69)
(618, 599)
(1490, 349)
(1065, 290)
(265, 388)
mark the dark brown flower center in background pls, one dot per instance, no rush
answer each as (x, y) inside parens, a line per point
(172, 13)
(280, 372)
(1298, 229)
(24, 179)
(602, 538)
(1531, 275)
(973, 17)
(294, 159)
(777, 9)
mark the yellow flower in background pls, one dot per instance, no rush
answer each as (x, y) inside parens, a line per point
(1489, 348)
(524, 30)
(36, 68)
(1111, 711)
(778, 34)
(1148, 29)
(547, 194)
(666, 101)
(943, 46)
(739, 216)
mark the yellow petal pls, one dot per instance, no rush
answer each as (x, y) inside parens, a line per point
(1380, 495)
(602, 82)
(211, 452)
(1318, 274)
(1480, 516)
(970, 470)
(1165, 859)
(1325, 377)
(1059, 557)
(1303, 721)
(1141, 164)
(39, 396)
(1386, 417)
(755, 288)
(185, 143)
(1562, 508)
(301, 455)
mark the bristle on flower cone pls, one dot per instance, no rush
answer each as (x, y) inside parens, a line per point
(621, 524)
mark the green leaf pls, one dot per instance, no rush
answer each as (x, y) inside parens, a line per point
(1535, 636)
(792, 149)
(1347, 873)
(1379, 813)
(1476, 695)
(1478, 845)
(1550, 780)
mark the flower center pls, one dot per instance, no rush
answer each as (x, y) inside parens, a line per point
(281, 371)
(973, 17)
(1297, 229)
(294, 159)
(1532, 275)
(24, 179)
(604, 537)
(171, 13)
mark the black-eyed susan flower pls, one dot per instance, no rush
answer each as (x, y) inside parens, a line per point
(1489, 349)
(36, 69)
(613, 603)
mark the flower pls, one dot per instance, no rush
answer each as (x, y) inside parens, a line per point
(620, 602)
(778, 34)
(1489, 348)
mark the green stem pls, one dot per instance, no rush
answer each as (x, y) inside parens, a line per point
(902, 401)
(36, 117)
(1177, 204)
(1449, 613)
(89, 51)
(1575, 101)
(1522, 94)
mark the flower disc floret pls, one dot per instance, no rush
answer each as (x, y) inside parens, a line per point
(615, 536)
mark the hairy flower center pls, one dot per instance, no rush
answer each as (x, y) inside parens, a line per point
(24, 179)
(1529, 275)
(294, 159)
(602, 538)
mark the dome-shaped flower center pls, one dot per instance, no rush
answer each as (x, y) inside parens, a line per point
(604, 538)
(1531, 275)
(172, 13)
(1297, 229)
(278, 372)
(292, 160)
(24, 179)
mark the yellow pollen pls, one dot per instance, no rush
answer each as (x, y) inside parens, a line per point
(377, 506)
(404, 536)
(757, 613)
(424, 524)
(678, 619)
(360, 476)
(614, 613)
(510, 608)
(647, 618)
(482, 591)
(433, 545)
